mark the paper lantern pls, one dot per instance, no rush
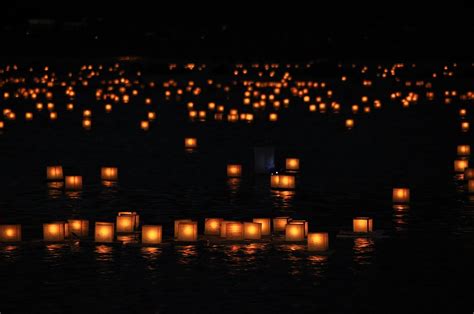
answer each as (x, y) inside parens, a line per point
(318, 242)
(464, 150)
(273, 117)
(151, 234)
(252, 231)
(176, 224)
(470, 186)
(362, 224)
(151, 115)
(279, 223)
(187, 231)
(108, 108)
(70, 107)
(212, 226)
(234, 170)
(234, 231)
(301, 222)
(54, 173)
(265, 222)
(86, 113)
(465, 126)
(54, 231)
(87, 124)
(2, 124)
(224, 223)
(109, 173)
(460, 165)
(294, 232)
(190, 143)
(28, 116)
(104, 232)
(401, 195)
(468, 173)
(144, 125)
(349, 123)
(10, 233)
(292, 164)
(73, 182)
(127, 222)
(79, 227)
(283, 182)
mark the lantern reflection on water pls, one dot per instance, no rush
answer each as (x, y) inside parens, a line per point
(187, 231)
(73, 182)
(79, 227)
(151, 234)
(470, 186)
(212, 226)
(294, 232)
(362, 224)
(252, 231)
(54, 231)
(318, 242)
(401, 195)
(54, 173)
(104, 232)
(109, 173)
(10, 233)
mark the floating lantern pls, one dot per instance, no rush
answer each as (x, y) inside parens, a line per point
(265, 222)
(292, 164)
(10, 233)
(283, 182)
(39, 106)
(252, 231)
(470, 186)
(234, 170)
(294, 232)
(318, 242)
(54, 173)
(401, 195)
(151, 234)
(70, 107)
(28, 116)
(127, 221)
(349, 123)
(460, 165)
(87, 124)
(313, 108)
(104, 232)
(464, 150)
(234, 231)
(465, 126)
(2, 124)
(187, 231)
(301, 222)
(108, 108)
(53, 115)
(86, 113)
(224, 223)
(79, 227)
(279, 223)
(151, 115)
(362, 224)
(273, 117)
(109, 173)
(73, 182)
(190, 143)
(54, 231)
(144, 125)
(212, 226)
(176, 224)
(468, 173)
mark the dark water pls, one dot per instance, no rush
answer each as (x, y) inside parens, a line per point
(425, 263)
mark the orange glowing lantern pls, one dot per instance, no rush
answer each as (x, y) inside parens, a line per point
(464, 150)
(176, 225)
(470, 186)
(187, 231)
(234, 170)
(28, 116)
(54, 173)
(144, 125)
(87, 113)
(469, 174)
(318, 242)
(190, 143)
(294, 232)
(301, 222)
(273, 117)
(265, 222)
(460, 165)
(10, 233)
(108, 107)
(283, 182)
(279, 223)
(252, 231)
(87, 124)
(54, 231)
(292, 164)
(224, 223)
(465, 126)
(104, 232)
(109, 173)
(151, 115)
(401, 195)
(79, 227)
(234, 231)
(151, 234)
(127, 222)
(212, 226)
(73, 182)
(70, 107)
(362, 225)
(53, 115)
(349, 123)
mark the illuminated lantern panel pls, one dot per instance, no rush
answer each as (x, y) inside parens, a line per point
(10, 233)
(362, 224)
(190, 143)
(283, 182)
(252, 231)
(318, 242)
(104, 232)
(265, 222)
(212, 226)
(301, 222)
(234, 170)
(292, 164)
(187, 231)
(127, 221)
(279, 223)
(468, 173)
(109, 173)
(464, 150)
(73, 183)
(465, 126)
(54, 173)
(470, 186)
(460, 165)
(151, 234)
(54, 231)
(401, 195)
(79, 227)
(176, 224)
(294, 232)
(224, 227)
(234, 231)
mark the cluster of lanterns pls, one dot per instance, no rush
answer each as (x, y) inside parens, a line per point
(74, 183)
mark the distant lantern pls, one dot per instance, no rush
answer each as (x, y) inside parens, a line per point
(127, 222)
(283, 182)
(464, 150)
(212, 226)
(460, 165)
(349, 123)
(70, 107)
(234, 231)
(234, 170)
(318, 242)
(252, 231)
(2, 124)
(108, 108)
(87, 124)
(294, 232)
(187, 231)
(224, 223)
(54, 231)
(79, 227)
(190, 143)
(273, 117)
(73, 182)
(28, 116)
(54, 173)
(292, 164)
(401, 195)
(144, 125)
(362, 224)
(87, 113)
(39, 106)
(465, 126)
(470, 186)
(266, 227)
(469, 174)
(176, 224)
(53, 115)
(151, 115)
(109, 173)
(104, 232)
(10, 233)
(301, 222)
(279, 223)
(313, 108)
(151, 234)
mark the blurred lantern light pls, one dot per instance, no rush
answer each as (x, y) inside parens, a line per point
(151, 234)
(212, 226)
(292, 164)
(294, 232)
(318, 242)
(464, 150)
(79, 227)
(265, 222)
(109, 173)
(10, 233)
(234, 170)
(190, 143)
(234, 231)
(252, 231)
(283, 182)
(54, 173)
(176, 224)
(187, 231)
(104, 232)
(362, 225)
(279, 223)
(401, 195)
(460, 165)
(73, 182)
(54, 231)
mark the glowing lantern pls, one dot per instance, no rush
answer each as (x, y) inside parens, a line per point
(109, 173)
(470, 186)
(54, 231)
(2, 124)
(87, 113)
(468, 173)
(464, 150)
(401, 195)
(465, 126)
(87, 124)
(312, 108)
(104, 232)
(212, 226)
(70, 107)
(108, 108)
(187, 231)
(301, 222)
(273, 117)
(460, 165)
(224, 223)
(283, 182)
(127, 222)
(349, 123)
(144, 125)
(39, 106)
(265, 223)
(53, 115)
(279, 223)
(28, 116)
(73, 183)
(10, 233)
(190, 143)
(252, 231)
(151, 234)
(79, 227)
(292, 164)
(176, 224)
(234, 170)
(151, 115)
(234, 231)
(318, 242)
(54, 173)
(362, 224)
(294, 232)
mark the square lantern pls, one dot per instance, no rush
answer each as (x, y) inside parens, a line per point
(151, 234)
(190, 143)
(252, 231)
(460, 165)
(401, 195)
(109, 173)
(302, 222)
(127, 222)
(234, 171)
(294, 232)
(212, 226)
(283, 182)
(187, 231)
(176, 224)
(292, 164)
(265, 222)
(362, 224)
(279, 223)
(10, 233)
(318, 241)
(468, 173)
(104, 232)
(470, 186)
(79, 227)
(73, 183)
(54, 231)
(224, 227)
(464, 150)
(54, 173)
(234, 231)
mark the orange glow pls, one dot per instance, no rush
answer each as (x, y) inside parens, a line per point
(362, 225)
(279, 223)
(401, 195)
(265, 223)
(10, 233)
(109, 173)
(252, 231)
(54, 173)
(464, 150)
(212, 226)
(465, 126)
(318, 242)
(53, 231)
(349, 123)
(292, 164)
(28, 116)
(284, 182)
(73, 183)
(79, 227)
(187, 231)
(190, 143)
(460, 165)
(104, 232)
(151, 234)
(234, 170)
(294, 232)
(234, 231)
(86, 124)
